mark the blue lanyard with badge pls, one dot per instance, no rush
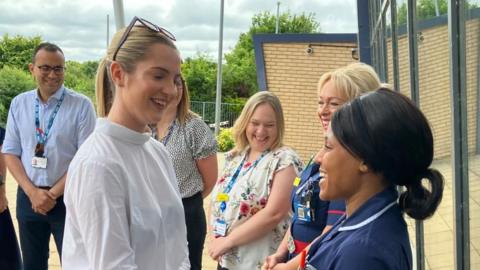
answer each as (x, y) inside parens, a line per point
(39, 160)
(304, 207)
(220, 226)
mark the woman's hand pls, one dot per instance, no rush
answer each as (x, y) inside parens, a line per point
(272, 260)
(3, 201)
(278, 266)
(218, 246)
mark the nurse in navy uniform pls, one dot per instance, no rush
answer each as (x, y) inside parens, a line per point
(365, 158)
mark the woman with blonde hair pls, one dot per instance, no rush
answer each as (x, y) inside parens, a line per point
(250, 202)
(312, 215)
(193, 149)
(124, 210)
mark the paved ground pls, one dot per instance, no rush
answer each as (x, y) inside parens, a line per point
(439, 238)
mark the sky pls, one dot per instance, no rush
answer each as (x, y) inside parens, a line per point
(79, 27)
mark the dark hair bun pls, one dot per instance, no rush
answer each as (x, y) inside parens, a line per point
(420, 202)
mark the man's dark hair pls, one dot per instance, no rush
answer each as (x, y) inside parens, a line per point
(49, 47)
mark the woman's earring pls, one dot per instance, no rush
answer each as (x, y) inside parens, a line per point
(363, 167)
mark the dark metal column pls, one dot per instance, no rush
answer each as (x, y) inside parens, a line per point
(456, 36)
(364, 31)
(414, 81)
(394, 40)
(413, 49)
(383, 41)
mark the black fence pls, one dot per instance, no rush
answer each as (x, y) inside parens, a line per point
(228, 113)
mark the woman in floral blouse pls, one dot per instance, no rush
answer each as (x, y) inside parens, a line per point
(251, 200)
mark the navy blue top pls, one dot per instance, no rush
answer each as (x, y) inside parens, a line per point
(324, 212)
(2, 135)
(374, 237)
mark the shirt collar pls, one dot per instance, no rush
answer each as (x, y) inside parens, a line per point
(56, 96)
(122, 133)
(371, 209)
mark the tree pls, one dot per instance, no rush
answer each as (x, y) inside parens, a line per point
(426, 9)
(239, 72)
(17, 51)
(13, 81)
(15, 55)
(240, 77)
(200, 74)
(81, 77)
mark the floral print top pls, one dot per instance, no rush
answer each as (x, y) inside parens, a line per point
(248, 195)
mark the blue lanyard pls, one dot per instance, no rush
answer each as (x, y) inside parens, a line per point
(170, 130)
(234, 177)
(41, 135)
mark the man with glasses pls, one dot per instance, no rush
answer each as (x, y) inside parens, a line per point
(45, 127)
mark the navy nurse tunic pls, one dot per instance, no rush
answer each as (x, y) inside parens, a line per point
(308, 222)
(374, 237)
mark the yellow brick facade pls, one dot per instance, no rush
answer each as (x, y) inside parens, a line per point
(292, 74)
(434, 81)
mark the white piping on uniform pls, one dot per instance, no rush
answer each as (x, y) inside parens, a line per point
(368, 220)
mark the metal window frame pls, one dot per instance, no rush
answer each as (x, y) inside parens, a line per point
(457, 53)
(458, 90)
(458, 70)
(456, 30)
(364, 33)
(378, 41)
(415, 96)
(394, 43)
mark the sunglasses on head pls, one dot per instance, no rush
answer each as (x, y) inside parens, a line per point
(153, 27)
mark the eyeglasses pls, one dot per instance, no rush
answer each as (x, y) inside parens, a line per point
(149, 25)
(46, 69)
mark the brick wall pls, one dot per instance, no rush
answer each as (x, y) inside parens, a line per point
(434, 81)
(292, 75)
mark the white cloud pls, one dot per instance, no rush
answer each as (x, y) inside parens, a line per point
(79, 26)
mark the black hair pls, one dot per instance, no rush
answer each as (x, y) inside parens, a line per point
(47, 46)
(392, 137)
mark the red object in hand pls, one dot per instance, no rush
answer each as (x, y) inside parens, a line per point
(302, 259)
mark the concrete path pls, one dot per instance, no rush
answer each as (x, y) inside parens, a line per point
(439, 237)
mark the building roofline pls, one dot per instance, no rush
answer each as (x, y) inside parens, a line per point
(259, 39)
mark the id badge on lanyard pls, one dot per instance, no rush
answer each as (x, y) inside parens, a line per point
(39, 160)
(220, 226)
(304, 209)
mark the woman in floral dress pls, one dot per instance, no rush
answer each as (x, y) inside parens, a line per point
(251, 200)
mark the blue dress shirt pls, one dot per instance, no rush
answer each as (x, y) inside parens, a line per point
(374, 237)
(72, 125)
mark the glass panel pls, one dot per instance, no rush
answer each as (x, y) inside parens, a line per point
(387, 30)
(435, 102)
(388, 53)
(403, 59)
(473, 125)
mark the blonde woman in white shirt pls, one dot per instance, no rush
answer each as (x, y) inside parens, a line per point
(124, 209)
